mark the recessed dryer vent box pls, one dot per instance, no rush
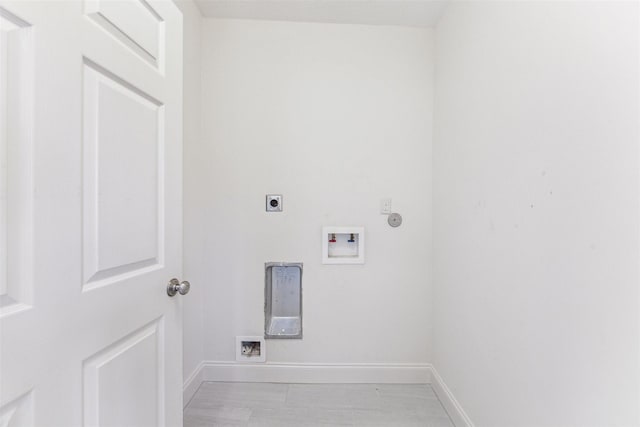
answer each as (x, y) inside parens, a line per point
(283, 300)
(343, 245)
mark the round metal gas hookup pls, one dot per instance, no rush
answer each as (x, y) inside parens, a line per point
(394, 220)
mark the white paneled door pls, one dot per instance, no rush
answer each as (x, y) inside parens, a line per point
(90, 213)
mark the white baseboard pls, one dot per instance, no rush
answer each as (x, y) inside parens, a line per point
(191, 385)
(272, 372)
(317, 373)
(451, 405)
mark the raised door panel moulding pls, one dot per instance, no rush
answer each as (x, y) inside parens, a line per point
(135, 23)
(123, 186)
(16, 163)
(124, 382)
(18, 412)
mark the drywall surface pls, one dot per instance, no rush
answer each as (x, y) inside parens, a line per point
(193, 147)
(536, 212)
(334, 118)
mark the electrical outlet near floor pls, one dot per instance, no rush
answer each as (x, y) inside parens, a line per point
(251, 349)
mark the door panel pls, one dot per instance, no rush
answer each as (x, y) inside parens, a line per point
(6, 27)
(123, 383)
(134, 22)
(90, 201)
(123, 177)
(18, 413)
(16, 82)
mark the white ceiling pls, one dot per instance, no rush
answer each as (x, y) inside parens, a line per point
(412, 13)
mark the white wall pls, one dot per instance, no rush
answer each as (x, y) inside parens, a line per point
(193, 146)
(334, 117)
(536, 212)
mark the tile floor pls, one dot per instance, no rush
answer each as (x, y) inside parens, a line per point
(303, 405)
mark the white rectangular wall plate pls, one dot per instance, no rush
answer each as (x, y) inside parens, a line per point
(251, 349)
(343, 245)
(385, 206)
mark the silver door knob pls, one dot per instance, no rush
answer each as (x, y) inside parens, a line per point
(175, 286)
